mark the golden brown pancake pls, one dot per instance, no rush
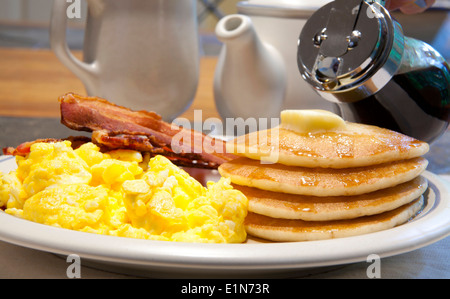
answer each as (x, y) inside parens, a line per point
(357, 145)
(321, 181)
(275, 229)
(313, 208)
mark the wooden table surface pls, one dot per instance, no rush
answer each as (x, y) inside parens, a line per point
(31, 80)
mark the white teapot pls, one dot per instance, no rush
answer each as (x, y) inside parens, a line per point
(257, 74)
(136, 53)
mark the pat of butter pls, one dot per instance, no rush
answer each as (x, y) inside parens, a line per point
(305, 121)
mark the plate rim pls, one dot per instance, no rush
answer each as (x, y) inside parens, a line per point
(422, 231)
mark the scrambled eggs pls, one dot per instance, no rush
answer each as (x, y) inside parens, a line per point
(120, 193)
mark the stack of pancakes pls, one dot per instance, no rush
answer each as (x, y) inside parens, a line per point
(327, 184)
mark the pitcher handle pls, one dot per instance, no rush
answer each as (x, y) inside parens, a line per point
(58, 44)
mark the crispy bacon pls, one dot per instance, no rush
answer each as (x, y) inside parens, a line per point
(115, 127)
(111, 140)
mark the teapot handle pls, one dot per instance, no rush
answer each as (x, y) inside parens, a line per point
(58, 44)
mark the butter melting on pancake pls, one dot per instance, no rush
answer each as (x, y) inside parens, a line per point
(321, 181)
(288, 230)
(313, 208)
(303, 140)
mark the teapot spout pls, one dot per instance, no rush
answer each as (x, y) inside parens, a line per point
(250, 77)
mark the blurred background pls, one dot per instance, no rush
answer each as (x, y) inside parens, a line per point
(24, 23)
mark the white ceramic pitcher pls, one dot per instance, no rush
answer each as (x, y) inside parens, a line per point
(142, 54)
(257, 73)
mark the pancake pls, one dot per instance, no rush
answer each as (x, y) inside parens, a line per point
(356, 145)
(312, 208)
(321, 181)
(275, 229)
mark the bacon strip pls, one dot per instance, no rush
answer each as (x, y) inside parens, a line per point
(115, 127)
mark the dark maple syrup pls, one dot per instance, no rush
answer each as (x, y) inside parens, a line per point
(415, 103)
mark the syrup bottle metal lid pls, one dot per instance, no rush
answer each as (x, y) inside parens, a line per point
(350, 49)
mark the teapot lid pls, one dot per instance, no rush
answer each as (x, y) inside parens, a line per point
(349, 49)
(281, 8)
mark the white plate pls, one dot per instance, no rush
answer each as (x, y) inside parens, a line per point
(252, 259)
